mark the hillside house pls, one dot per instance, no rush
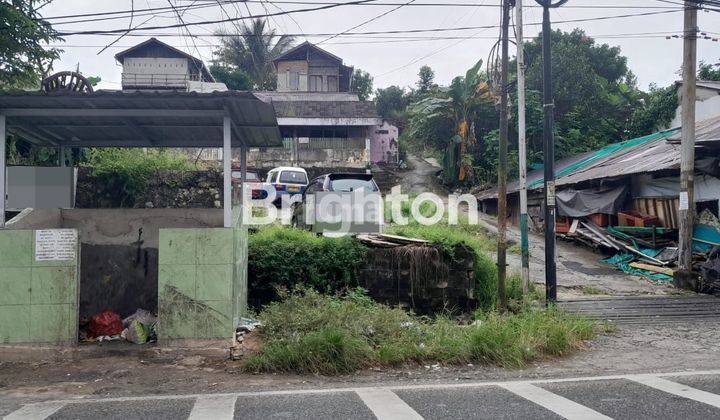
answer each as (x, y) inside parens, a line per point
(323, 124)
(155, 65)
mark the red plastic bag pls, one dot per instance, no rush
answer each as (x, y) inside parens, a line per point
(105, 323)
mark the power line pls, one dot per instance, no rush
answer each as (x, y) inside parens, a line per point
(430, 30)
(390, 40)
(367, 21)
(210, 22)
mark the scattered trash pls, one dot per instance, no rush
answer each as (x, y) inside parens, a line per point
(246, 325)
(140, 327)
(106, 323)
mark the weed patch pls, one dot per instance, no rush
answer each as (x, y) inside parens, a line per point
(308, 332)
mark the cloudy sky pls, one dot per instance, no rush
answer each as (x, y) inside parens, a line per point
(390, 58)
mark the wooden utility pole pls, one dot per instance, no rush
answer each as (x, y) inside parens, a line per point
(522, 154)
(687, 145)
(502, 158)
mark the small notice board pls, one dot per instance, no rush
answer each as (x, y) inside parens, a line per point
(55, 244)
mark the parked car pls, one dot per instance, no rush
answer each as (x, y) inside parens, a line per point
(252, 179)
(340, 183)
(287, 180)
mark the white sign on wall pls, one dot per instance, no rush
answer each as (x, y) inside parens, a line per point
(55, 244)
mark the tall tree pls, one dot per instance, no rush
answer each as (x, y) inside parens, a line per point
(390, 102)
(253, 50)
(708, 71)
(595, 92)
(362, 84)
(426, 80)
(23, 58)
(234, 78)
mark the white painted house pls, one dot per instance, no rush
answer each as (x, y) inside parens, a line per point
(707, 104)
(155, 65)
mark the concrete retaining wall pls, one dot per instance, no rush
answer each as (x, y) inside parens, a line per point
(422, 278)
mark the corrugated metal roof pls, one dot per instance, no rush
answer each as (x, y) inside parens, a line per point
(652, 153)
(707, 133)
(139, 119)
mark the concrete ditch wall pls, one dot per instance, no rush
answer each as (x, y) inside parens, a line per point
(422, 278)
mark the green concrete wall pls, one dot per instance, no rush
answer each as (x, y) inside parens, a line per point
(38, 299)
(196, 283)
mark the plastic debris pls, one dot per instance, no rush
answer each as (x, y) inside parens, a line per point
(106, 323)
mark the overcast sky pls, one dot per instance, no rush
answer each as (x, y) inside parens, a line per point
(651, 57)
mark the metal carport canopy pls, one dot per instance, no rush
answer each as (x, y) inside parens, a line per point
(139, 119)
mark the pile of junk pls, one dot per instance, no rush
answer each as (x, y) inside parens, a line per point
(639, 243)
(138, 328)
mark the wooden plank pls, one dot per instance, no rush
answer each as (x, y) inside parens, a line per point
(654, 269)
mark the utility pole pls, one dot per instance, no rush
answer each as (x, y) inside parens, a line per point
(502, 158)
(549, 154)
(687, 145)
(522, 154)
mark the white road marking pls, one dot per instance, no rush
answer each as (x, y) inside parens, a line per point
(386, 405)
(553, 402)
(678, 389)
(213, 407)
(456, 385)
(36, 411)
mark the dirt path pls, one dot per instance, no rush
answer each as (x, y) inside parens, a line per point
(420, 177)
(579, 270)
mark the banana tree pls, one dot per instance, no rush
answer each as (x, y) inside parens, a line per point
(458, 104)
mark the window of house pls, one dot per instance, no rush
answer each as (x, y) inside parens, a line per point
(332, 83)
(316, 84)
(294, 81)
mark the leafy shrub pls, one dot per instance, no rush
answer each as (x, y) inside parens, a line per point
(308, 332)
(284, 257)
(128, 170)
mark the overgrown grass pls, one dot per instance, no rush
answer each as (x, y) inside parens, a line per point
(308, 332)
(284, 257)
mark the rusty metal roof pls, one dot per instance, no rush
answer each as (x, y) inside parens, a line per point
(656, 152)
(139, 119)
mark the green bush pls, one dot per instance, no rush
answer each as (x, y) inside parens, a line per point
(308, 332)
(128, 170)
(284, 257)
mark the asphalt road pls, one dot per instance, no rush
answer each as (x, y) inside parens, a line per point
(685, 395)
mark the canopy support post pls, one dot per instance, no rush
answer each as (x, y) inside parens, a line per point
(2, 170)
(227, 173)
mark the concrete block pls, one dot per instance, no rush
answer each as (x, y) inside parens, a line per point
(53, 285)
(214, 246)
(178, 246)
(53, 323)
(16, 248)
(15, 285)
(15, 324)
(214, 282)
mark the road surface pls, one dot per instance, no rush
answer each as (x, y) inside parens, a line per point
(686, 395)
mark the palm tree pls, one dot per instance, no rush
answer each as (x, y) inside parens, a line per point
(459, 105)
(253, 50)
